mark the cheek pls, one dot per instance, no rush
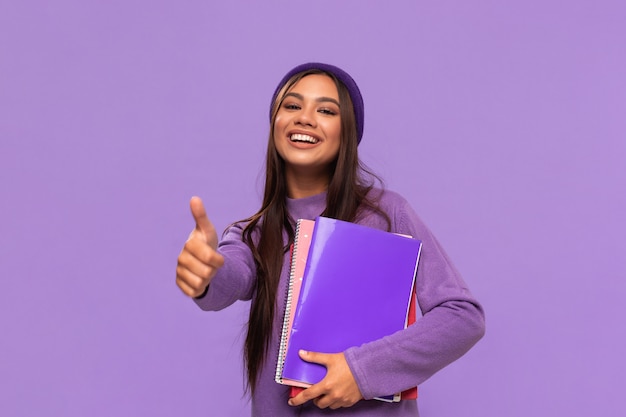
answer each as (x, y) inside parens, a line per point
(336, 131)
(278, 124)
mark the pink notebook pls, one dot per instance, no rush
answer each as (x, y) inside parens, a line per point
(299, 253)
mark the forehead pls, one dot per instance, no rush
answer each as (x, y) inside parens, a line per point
(316, 85)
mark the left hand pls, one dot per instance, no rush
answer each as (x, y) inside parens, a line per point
(337, 389)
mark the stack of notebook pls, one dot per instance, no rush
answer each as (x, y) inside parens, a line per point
(349, 284)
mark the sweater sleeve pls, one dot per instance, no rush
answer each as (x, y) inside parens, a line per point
(452, 322)
(236, 279)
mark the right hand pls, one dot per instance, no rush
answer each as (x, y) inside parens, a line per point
(199, 260)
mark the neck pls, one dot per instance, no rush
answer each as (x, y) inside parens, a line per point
(301, 186)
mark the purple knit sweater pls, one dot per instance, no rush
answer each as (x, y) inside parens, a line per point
(452, 321)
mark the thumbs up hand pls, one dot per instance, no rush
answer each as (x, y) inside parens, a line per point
(199, 260)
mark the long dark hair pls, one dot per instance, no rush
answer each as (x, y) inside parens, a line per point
(350, 183)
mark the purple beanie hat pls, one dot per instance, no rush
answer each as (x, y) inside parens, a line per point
(343, 77)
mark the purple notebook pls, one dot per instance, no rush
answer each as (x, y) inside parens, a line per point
(356, 288)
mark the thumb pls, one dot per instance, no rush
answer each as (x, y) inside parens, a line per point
(314, 357)
(203, 224)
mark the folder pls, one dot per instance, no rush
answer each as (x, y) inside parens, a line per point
(357, 286)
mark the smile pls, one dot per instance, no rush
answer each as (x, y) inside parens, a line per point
(299, 137)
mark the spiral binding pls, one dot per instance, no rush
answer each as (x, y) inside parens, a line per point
(282, 350)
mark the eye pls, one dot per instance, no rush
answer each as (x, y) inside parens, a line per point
(291, 106)
(327, 111)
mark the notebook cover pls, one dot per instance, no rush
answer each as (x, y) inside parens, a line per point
(356, 288)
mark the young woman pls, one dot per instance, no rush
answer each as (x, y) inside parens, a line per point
(312, 169)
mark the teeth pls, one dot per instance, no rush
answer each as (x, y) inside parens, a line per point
(299, 137)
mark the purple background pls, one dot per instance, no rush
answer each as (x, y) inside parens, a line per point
(503, 124)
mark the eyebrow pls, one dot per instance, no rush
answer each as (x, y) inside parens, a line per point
(319, 99)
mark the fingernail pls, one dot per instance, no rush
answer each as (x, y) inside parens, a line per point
(290, 402)
(303, 352)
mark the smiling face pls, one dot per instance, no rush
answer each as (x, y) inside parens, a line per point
(307, 129)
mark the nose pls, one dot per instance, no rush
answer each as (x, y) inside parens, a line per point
(306, 116)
